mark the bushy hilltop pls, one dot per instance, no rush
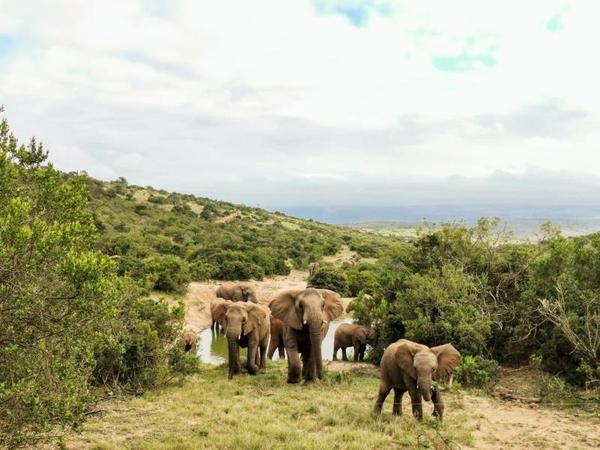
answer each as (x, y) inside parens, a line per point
(168, 239)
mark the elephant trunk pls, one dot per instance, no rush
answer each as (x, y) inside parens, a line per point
(233, 333)
(232, 356)
(424, 386)
(315, 345)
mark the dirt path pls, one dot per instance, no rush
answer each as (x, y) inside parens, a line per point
(499, 424)
(199, 296)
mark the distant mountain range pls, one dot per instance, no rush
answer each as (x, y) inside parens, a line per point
(523, 221)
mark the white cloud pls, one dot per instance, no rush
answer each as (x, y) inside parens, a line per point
(249, 100)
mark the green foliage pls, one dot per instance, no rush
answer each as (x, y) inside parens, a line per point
(329, 277)
(478, 372)
(55, 294)
(169, 272)
(65, 311)
(441, 306)
(215, 239)
(141, 347)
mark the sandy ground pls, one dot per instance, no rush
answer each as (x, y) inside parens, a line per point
(499, 424)
(199, 296)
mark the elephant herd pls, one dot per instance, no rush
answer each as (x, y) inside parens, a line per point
(296, 322)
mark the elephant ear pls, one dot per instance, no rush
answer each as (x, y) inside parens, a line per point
(405, 352)
(361, 335)
(283, 307)
(218, 308)
(256, 316)
(448, 358)
(333, 304)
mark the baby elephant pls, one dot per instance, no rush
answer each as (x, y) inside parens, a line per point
(412, 367)
(352, 335)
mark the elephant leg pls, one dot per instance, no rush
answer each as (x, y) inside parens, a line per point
(308, 366)
(356, 352)
(417, 404)
(384, 390)
(251, 360)
(397, 408)
(263, 355)
(272, 347)
(438, 404)
(344, 356)
(335, 350)
(281, 351)
(293, 365)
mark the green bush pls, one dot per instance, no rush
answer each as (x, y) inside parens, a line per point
(56, 293)
(170, 273)
(329, 277)
(362, 281)
(202, 271)
(441, 307)
(141, 348)
(478, 372)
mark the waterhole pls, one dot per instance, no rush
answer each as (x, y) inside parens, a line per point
(212, 348)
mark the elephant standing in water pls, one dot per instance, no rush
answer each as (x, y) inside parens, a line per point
(237, 292)
(305, 314)
(245, 325)
(352, 335)
(215, 310)
(276, 342)
(408, 366)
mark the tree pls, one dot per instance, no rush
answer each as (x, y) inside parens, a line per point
(56, 292)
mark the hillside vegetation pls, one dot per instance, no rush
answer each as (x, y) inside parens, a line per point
(167, 239)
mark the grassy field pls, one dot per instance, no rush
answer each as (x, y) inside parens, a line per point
(208, 411)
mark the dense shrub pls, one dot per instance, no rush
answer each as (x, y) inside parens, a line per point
(56, 293)
(478, 372)
(329, 277)
(170, 273)
(139, 350)
(68, 319)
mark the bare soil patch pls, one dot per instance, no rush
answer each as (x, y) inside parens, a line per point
(199, 295)
(498, 424)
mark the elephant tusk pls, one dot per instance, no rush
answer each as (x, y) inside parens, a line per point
(305, 322)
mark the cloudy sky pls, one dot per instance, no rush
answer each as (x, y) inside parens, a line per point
(315, 103)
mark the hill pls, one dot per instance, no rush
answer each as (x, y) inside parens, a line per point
(167, 239)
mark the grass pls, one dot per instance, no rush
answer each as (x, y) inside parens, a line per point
(209, 411)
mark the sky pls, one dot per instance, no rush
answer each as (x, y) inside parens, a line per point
(302, 104)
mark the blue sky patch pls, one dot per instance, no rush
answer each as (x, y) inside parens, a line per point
(356, 11)
(7, 47)
(477, 53)
(555, 23)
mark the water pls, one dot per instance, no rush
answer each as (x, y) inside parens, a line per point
(212, 349)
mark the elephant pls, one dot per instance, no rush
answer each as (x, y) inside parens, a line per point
(190, 341)
(408, 366)
(214, 312)
(305, 314)
(312, 268)
(245, 325)
(276, 342)
(237, 292)
(352, 335)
